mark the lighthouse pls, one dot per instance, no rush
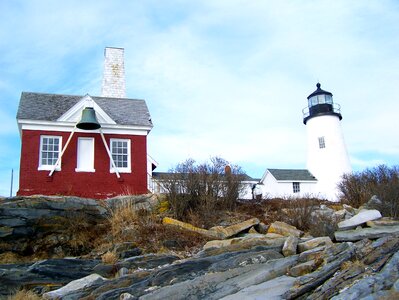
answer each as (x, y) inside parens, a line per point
(327, 156)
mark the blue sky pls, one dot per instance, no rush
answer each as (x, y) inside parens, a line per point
(227, 78)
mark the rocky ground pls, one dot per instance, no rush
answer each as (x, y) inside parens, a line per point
(245, 260)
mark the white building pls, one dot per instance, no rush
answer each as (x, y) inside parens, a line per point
(286, 183)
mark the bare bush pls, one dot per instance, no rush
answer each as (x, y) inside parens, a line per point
(203, 187)
(298, 212)
(357, 188)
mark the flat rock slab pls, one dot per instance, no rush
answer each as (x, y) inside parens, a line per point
(269, 290)
(313, 243)
(246, 242)
(366, 233)
(227, 232)
(361, 217)
(75, 285)
(284, 229)
(382, 222)
(290, 246)
(189, 227)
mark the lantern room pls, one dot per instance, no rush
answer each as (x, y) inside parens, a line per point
(320, 103)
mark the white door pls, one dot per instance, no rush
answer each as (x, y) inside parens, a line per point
(85, 158)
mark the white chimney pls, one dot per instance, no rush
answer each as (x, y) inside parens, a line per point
(114, 83)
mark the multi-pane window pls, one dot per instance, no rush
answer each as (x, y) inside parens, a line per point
(50, 148)
(120, 151)
(296, 188)
(322, 142)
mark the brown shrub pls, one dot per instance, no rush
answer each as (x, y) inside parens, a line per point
(382, 181)
(202, 187)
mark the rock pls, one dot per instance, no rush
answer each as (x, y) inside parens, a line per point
(361, 217)
(221, 284)
(303, 268)
(284, 229)
(122, 272)
(271, 290)
(383, 222)
(395, 286)
(290, 246)
(136, 202)
(239, 248)
(373, 203)
(75, 285)
(227, 232)
(130, 253)
(340, 214)
(311, 254)
(5, 231)
(341, 279)
(366, 233)
(349, 209)
(48, 224)
(51, 272)
(270, 235)
(171, 244)
(189, 227)
(252, 230)
(127, 296)
(248, 241)
(261, 228)
(147, 261)
(219, 243)
(373, 283)
(313, 243)
(308, 282)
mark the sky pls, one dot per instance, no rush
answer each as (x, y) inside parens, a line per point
(224, 78)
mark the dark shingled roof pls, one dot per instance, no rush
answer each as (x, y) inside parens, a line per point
(292, 174)
(49, 107)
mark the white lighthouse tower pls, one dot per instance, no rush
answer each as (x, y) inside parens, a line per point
(327, 155)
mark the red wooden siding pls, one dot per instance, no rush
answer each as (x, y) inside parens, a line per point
(99, 184)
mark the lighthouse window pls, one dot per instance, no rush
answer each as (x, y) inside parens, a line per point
(329, 99)
(322, 143)
(120, 151)
(313, 101)
(321, 99)
(296, 188)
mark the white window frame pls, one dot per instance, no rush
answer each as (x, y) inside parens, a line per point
(127, 169)
(322, 142)
(78, 153)
(46, 167)
(296, 187)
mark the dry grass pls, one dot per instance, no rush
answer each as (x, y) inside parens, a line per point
(10, 258)
(109, 258)
(353, 264)
(145, 229)
(122, 221)
(24, 295)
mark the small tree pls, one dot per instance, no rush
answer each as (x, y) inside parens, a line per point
(203, 187)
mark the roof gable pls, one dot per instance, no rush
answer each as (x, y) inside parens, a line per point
(52, 107)
(74, 114)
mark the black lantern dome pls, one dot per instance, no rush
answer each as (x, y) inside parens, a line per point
(320, 103)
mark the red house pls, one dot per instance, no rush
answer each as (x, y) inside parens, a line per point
(85, 146)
